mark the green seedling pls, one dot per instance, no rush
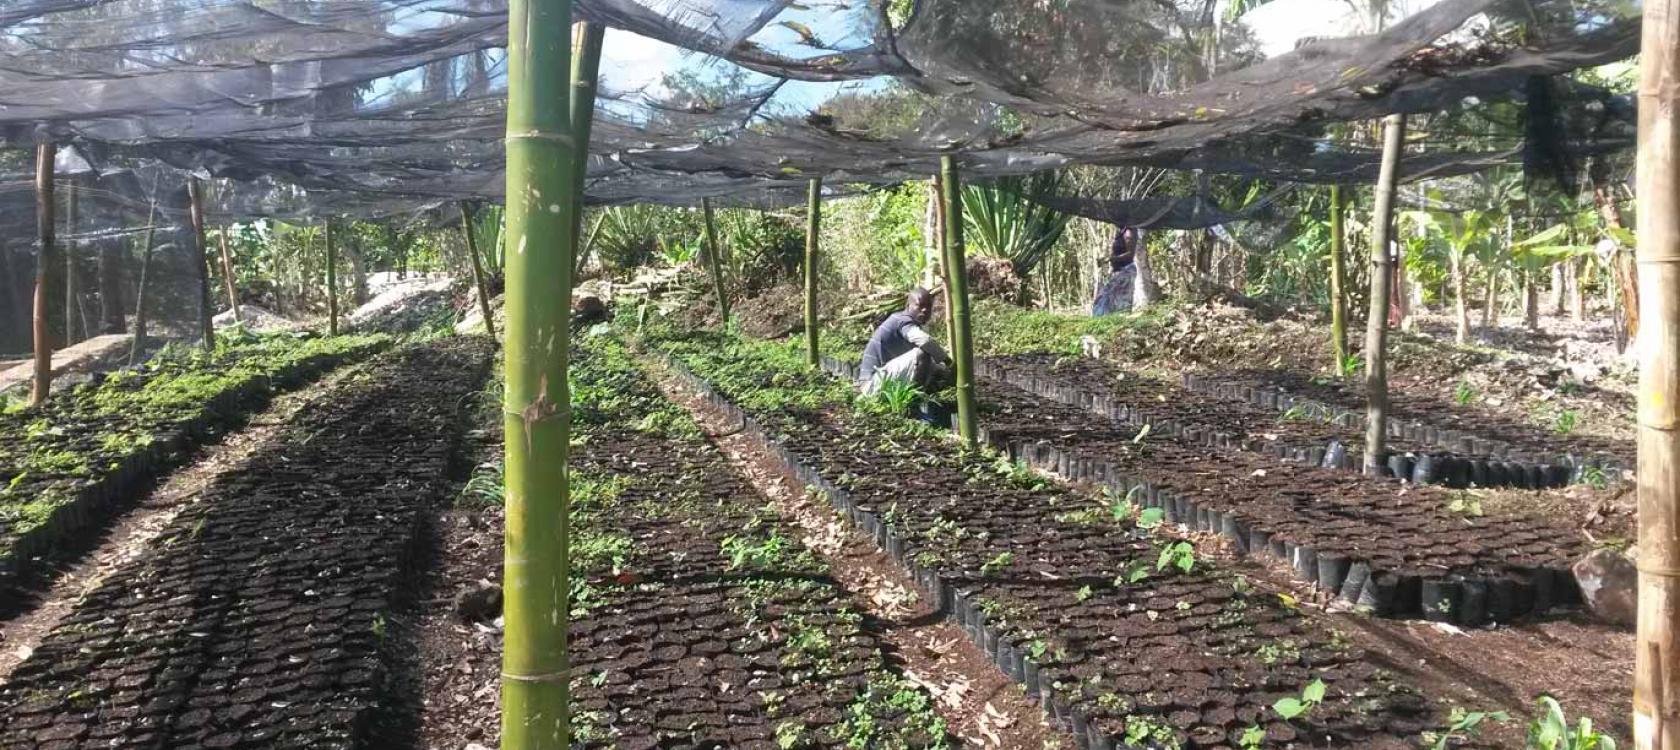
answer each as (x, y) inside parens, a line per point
(998, 563)
(1181, 555)
(1464, 393)
(1566, 421)
(1462, 726)
(1294, 708)
(1551, 731)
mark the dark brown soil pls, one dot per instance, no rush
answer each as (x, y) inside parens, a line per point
(710, 626)
(258, 618)
(1421, 557)
(1040, 576)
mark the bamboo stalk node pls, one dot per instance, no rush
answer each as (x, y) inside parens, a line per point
(546, 677)
(563, 139)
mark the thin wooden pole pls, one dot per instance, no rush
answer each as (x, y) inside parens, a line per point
(714, 259)
(1382, 278)
(477, 269)
(542, 164)
(332, 282)
(227, 276)
(1338, 279)
(138, 345)
(587, 39)
(813, 230)
(44, 155)
(1656, 674)
(201, 263)
(71, 332)
(956, 280)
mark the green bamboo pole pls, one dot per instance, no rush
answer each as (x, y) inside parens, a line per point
(714, 259)
(477, 269)
(1338, 278)
(956, 284)
(587, 38)
(813, 227)
(542, 163)
(332, 282)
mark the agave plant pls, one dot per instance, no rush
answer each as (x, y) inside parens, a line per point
(1006, 218)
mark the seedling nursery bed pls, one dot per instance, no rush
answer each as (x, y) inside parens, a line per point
(1289, 429)
(65, 464)
(700, 620)
(1463, 429)
(258, 619)
(1398, 551)
(1113, 623)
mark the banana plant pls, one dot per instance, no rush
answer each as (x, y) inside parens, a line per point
(1006, 218)
(1463, 233)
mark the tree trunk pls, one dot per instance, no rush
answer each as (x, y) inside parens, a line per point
(1338, 279)
(542, 159)
(1578, 289)
(44, 155)
(956, 280)
(1382, 269)
(332, 281)
(1656, 675)
(1490, 306)
(358, 273)
(228, 278)
(1531, 300)
(813, 229)
(1461, 303)
(1145, 290)
(201, 264)
(1622, 261)
(1560, 288)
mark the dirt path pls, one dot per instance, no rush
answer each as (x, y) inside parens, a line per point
(131, 535)
(983, 706)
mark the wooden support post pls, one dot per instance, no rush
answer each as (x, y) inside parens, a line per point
(479, 282)
(1656, 675)
(227, 276)
(1382, 277)
(332, 282)
(813, 228)
(1338, 279)
(542, 164)
(74, 331)
(714, 259)
(201, 264)
(138, 345)
(956, 281)
(44, 155)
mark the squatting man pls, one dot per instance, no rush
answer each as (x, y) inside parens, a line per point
(902, 350)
